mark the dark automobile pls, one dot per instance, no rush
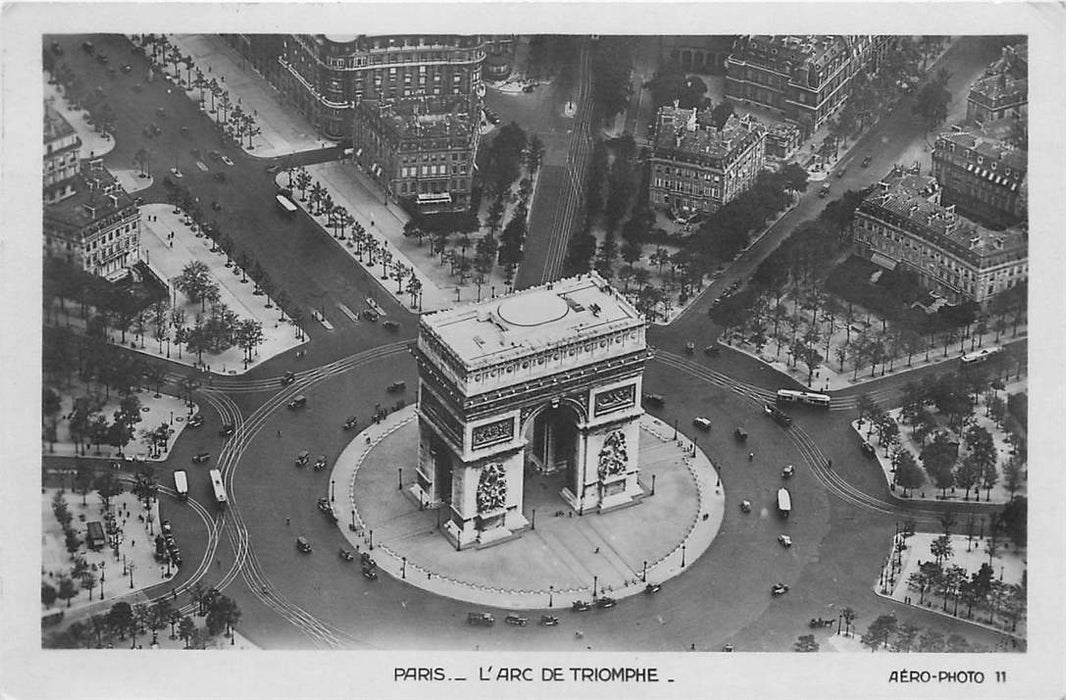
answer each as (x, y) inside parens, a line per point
(367, 560)
(165, 528)
(227, 430)
(581, 606)
(396, 387)
(788, 472)
(102, 58)
(320, 463)
(712, 350)
(303, 545)
(370, 315)
(126, 68)
(391, 325)
(866, 161)
(778, 589)
(346, 555)
(196, 421)
(528, 88)
(298, 402)
(480, 619)
(87, 46)
(745, 506)
(214, 155)
(350, 423)
(653, 588)
(549, 620)
(824, 191)
(728, 647)
(301, 459)
(606, 602)
(215, 205)
(655, 400)
(868, 448)
(370, 574)
(201, 457)
(516, 620)
(288, 378)
(740, 434)
(778, 415)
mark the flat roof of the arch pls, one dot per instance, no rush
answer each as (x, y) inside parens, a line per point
(532, 320)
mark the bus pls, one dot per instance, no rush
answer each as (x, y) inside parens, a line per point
(808, 398)
(981, 355)
(181, 484)
(216, 484)
(784, 502)
(285, 205)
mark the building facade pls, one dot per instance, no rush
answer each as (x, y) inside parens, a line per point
(806, 79)
(697, 54)
(61, 156)
(420, 149)
(903, 222)
(542, 384)
(325, 76)
(1003, 90)
(982, 174)
(98, 228)
(696, 167)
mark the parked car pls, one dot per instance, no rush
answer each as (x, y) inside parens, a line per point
(788, 472)
(690, 348)
(303, 545)
(391, 325)
(227, 429)
(226, 160)
(87, 46)
(480, 619)
(840, 173)
(657, 400)
(288, 378)
(298, 402)
(516, 620)
(366, 560)
(778, 589)
(653, 588)
(745, 506)
(868, 449)
(196, 421)
(785, 540)
(214, 155)
(302, 458)
(605, 602)
(866, 161)
(728, 647)
(320, 463)
(370, 315)
(370, 574)
(581, 606)
(702, 423)
(549, 620)
(126, 68)
(165, 527)
(201, 457)
(351, 422)
(396, 387)
(57, 48)
(528, 88)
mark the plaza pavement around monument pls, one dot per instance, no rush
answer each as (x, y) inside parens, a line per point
(561, 558)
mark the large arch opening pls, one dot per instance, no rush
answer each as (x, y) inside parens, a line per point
(552, 459)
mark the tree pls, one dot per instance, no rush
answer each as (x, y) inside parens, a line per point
(906, 636)
(794, 177)
(849, 615)
(67, 589)
(1013, 475)
(879, 632)
(107, 486)
(938, 458)
(967, 474)
(941, 548)
(159, 616)
(1015, 520)
(186, 629)
(805, 643)
(908, 475)
(932, 100)
(931, 641)
(48, 595)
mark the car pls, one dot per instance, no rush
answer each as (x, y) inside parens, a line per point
(303, 545)
(165, 527)
(366, 560)
(657, 400)
(288, 378)
(868, 449)
(788, 472)
(549, 620)
(302, 458)
(391, 325)
(396, 387)
(102, 58)
(824, 191)
(298, 402)
(272, 169)
(325, 508)
(201, 457)
(528, 88)
(690, 348)
(516, 620)
(778, 589)
(370, 574)
(226, 160)
(195, 422)
(215, 205)
(87, 46)
(176, 173)
(480, 619)
(606, 602)
(866, 161)
(320, 463)
(778, 415)
(785, 540)
(161, 112)
(126, 68)
(581, 606)
(370, 315)
(740, 434)
(712, 351)
(702, 423)
(175, 558)
(227, 429)
(745, 506)
(653, 588)
(840, 173)
(351, 422)
(214, 155)
(728, 648)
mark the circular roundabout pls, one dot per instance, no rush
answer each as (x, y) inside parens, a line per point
(561, 557)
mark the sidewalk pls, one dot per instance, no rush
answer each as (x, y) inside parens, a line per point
(93, 144)
(284, 131)
(551, 565)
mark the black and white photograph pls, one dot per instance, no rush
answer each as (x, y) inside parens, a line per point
(486, 350)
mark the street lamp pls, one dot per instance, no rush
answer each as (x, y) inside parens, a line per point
(399, 479)
(131, 567)
(551, 591)
(371, 540)
(403, 571)
(644, 573)
(352, 526)
(652, 484)
(332, 489)
(594, 581)
(682, 556)
(533, 521)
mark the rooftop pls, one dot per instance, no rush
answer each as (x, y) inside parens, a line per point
(532, 320)
(98, 195)
(692, 131)
(799, 49)
(988, 142)
(422, 117)
(55, 124)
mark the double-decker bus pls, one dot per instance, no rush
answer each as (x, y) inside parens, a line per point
(808, 398)
(181, 484)
(217, 486)
(285, 205)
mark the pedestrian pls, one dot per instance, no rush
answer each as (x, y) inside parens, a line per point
(829, 463)
(751, 456)
(597, 551)
(279, 433)
(286, 522)
(218, 563)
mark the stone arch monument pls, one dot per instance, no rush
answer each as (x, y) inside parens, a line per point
(546, 380)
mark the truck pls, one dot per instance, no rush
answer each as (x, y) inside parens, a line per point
(181, 484)
(94, 535)
(784, 502)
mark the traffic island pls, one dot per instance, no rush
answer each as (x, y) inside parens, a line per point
(561, 556)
